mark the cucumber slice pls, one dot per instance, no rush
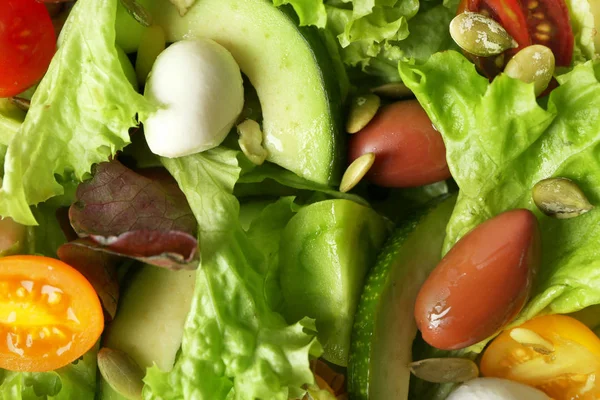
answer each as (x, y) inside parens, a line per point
(384, 326)
(326, 250)
(150, 319)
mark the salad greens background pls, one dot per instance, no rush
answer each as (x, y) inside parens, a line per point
(375, 34)
(235, 345)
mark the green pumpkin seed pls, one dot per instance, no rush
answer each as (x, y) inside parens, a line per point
(395, 90)
(529, 338)
(362, 111)
(560, 198)
(121, 372)
(250, 141)
(533, 64)
(23, 104)
(356, 171)
(445, 370)
(480, 35)
(138, 12)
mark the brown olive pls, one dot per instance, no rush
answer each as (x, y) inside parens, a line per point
(482, 283)
(408, 150)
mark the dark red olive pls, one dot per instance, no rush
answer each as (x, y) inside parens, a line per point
(482, 283)
(408, 150)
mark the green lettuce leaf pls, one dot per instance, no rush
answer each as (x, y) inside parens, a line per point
(80, 113)
(375, 34)
(582, 22)
(234, 345)
(500, 142)
(11, 118)
(75, 381)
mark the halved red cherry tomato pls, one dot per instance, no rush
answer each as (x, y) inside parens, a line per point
(544, 22)
(570, 369)
(50, 314)
(27, 44)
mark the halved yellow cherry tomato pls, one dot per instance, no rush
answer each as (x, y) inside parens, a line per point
(50, 314)
(570, 369)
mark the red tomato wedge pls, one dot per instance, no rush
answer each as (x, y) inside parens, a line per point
(50, 314)
(544, 22)
(27, 44)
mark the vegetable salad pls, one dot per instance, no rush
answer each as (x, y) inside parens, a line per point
(291, 199)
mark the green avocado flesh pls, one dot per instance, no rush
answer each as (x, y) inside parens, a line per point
(384, 326)
(150, 319)
(289, 66)
(326, 250)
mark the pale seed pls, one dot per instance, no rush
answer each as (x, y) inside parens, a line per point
(250, 141)
(560, 198)
(444, 370)
(356, 171)
(529, 338)
(138, 12)
(545, 27)
(20, 102)
(362, 111)
(396, 90)
(121, 372)
(532, 64)
(480, 35)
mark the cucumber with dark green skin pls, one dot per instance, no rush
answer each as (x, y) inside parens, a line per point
(384, 326)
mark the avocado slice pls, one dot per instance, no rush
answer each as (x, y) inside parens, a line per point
(289, 66)
(384, 326)
(150, 319)
(326, 250)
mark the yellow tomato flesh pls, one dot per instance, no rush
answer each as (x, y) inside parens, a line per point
(49, 314)
(569, 371)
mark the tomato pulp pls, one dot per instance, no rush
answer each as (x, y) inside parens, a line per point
(544, 22)
(27, 44)
(565, 364)
(50, 314)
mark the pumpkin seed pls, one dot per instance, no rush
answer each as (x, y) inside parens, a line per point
(138, 12)
(23, 104)
(560, 198)
(533, 64)
(250, 141)
(445, 370)
(121, 372)
(395, 90)
(362, 111)
(480, 35)
(529, 338)
(356, 171)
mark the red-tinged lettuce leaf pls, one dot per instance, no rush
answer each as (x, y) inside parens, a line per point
(118, 200)
(171, 249)
(137, 214)
(99, 268)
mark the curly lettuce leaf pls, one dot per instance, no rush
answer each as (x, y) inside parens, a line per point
(500, 142)
(582, 22)
(11, 118)
(80, 113)
(234, 345)
(376, 34)
(75, 381)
